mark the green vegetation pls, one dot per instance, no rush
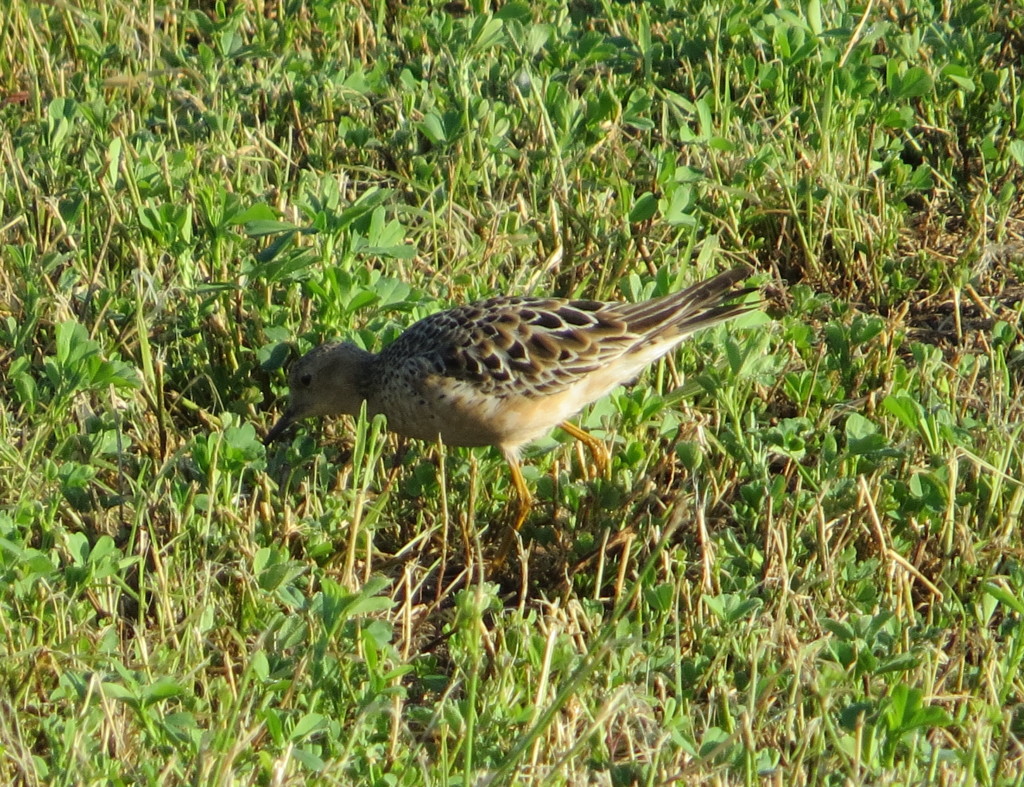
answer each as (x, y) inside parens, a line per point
(805, 566)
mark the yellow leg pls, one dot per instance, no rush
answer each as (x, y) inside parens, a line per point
(522, 493)
(524, 502)
(595, 446)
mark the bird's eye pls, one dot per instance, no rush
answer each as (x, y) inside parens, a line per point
(305, 380)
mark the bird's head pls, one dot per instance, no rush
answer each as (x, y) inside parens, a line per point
(325, 381)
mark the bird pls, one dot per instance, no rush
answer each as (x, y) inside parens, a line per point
(505, 371)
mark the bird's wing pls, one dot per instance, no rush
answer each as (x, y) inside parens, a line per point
(517, 345)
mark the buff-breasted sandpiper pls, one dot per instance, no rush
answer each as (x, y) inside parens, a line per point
(506, 370)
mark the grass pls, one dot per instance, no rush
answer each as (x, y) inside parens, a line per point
(805, 566)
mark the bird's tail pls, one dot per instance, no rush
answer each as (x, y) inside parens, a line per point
(707, 303)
